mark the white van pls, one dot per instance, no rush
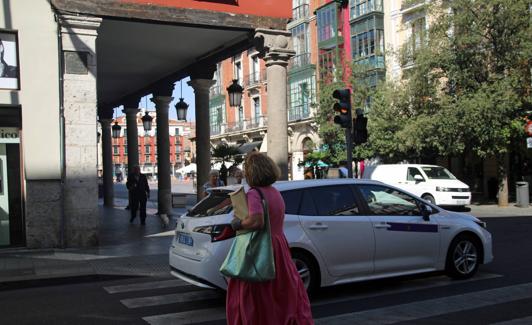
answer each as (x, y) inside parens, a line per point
(433, 183)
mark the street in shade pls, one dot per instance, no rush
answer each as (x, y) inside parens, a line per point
(133, 286)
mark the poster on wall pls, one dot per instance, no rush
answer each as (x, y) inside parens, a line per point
(9, 69)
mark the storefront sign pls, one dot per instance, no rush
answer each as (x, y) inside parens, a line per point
(9, 135)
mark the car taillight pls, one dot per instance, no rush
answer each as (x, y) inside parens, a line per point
(217, 232)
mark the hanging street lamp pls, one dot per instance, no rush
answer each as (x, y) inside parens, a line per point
(147, 121)
(181, 108)
(235, 94)
(116, 130)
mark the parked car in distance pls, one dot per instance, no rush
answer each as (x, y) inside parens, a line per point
(434, 184)
(339, 231)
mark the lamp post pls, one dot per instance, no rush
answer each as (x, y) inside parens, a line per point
(235, 93)
(147, 121)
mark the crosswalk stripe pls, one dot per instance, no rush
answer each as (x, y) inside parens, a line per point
(191, 317)
(146, 286)
(187, 317)
(171, 298)
(432, 307)
(517, 321)
(411, 285)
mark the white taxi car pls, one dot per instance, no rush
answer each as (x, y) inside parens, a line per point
(339, 231)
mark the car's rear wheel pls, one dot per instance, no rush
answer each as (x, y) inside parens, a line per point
(307, 269)
(429, 198)
(463, 257)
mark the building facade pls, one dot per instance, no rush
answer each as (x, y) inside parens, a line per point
(66, 65)
(246, 126)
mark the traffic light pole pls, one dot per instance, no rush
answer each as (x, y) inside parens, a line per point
(349, 149)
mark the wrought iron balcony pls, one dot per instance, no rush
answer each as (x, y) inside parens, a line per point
(300, 12)
(299, 112)
(299, 61)
(215, 90)
(235, 126)
(254, 79)
(215, 130)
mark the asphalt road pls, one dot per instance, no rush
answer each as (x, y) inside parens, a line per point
(500, 294)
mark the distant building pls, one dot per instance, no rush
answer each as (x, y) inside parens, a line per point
(182, 151)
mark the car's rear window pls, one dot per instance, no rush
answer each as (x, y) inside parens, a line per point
(216, 203)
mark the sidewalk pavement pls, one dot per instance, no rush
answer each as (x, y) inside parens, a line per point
(131, 249)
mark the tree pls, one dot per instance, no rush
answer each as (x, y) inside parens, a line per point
(467, 90)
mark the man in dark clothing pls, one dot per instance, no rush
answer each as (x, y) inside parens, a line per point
(139, 192)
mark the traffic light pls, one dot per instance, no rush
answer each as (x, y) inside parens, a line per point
(360, 131)
(343, 107)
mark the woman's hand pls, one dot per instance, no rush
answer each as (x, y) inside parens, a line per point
(253, 222)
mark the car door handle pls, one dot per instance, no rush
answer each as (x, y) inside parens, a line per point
(318, 226)
(382, 225)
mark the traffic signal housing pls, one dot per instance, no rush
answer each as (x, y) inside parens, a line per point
(343, 107)
(360, 131)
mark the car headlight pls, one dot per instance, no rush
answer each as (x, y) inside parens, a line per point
(443, 189)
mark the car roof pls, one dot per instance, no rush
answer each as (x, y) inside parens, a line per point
(410, 165)
(298, 184)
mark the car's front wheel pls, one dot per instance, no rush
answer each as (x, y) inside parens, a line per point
(463, 257)
(307, 269)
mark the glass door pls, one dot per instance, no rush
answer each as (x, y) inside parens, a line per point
(4, 198)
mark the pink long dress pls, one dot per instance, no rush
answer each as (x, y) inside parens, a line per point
(282, 301)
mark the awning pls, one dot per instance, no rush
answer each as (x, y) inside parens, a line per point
(249, 147)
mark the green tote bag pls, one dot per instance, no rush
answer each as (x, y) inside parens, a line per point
(250, 257)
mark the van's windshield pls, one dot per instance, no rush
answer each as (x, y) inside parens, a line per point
(218, 202)
(437, 173)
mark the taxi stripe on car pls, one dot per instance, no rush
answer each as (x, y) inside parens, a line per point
(413, 227)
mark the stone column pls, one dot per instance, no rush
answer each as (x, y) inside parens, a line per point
(203, 129)
(80, 217)
(275, 47)
(162, 97)
(131, 109)
(107, 157)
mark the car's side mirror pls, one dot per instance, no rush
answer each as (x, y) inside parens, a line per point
(418, 178)
(426, 211)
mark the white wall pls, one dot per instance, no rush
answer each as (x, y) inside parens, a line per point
(39, 84)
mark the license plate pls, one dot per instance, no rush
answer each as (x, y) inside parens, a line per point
(461, 201)
(185, 239)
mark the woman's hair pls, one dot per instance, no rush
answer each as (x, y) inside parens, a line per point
(260, 170)
(214, 172)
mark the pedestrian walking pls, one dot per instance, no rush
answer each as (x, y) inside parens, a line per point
(342, 170)
(139, 192)
(214, 181)
(284, 299)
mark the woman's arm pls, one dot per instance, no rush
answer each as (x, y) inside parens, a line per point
(255, 218)
(253, 222)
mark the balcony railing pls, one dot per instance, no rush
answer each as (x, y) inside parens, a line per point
(300, 60)
(254, 79)
(215, 129)
(300, 12)
(254, 123)
(235, 126)
(298, 113)
(215, 90)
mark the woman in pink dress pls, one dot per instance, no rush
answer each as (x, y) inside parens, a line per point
(284, 300)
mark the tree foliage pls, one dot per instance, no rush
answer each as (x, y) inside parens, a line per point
(468, 88)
